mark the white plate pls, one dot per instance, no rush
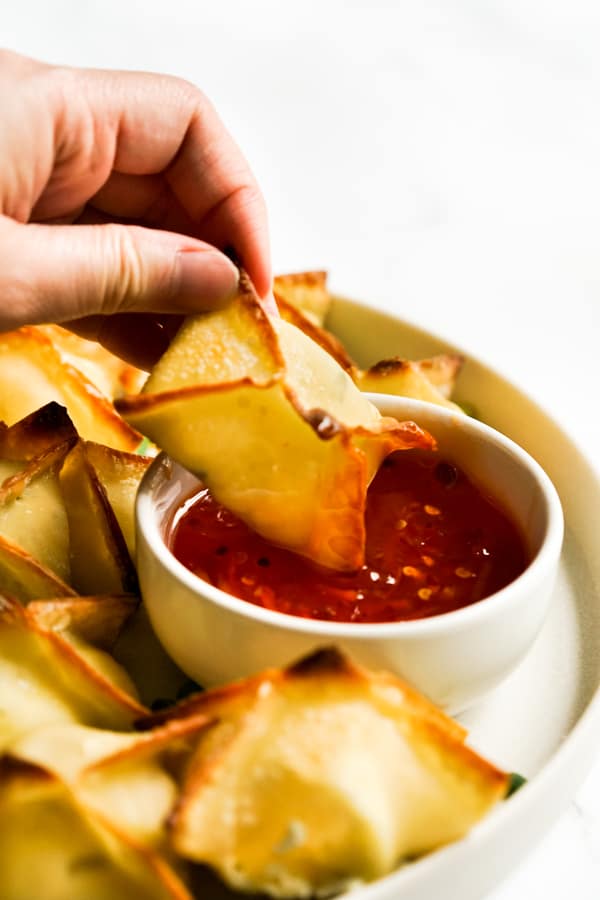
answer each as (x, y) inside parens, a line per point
(544, 722)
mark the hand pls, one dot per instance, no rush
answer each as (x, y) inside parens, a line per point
(87, 159)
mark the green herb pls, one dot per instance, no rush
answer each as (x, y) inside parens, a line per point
(516, 781)
(143, 446)
(469, 410)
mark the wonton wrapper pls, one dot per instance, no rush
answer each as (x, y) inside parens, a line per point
(319, 335)
(131, 779)
(52, 674)
(410, 378)
(109, 373)
(32, 373)
(97, 620)
(305, 291)
(37, 432)
(66, 510)
(324, 775)
(119, 473)
(100, 560)
(426, 379)
(34, 531)
(276, 429)
(54, 847)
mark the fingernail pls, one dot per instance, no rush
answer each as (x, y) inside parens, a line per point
(270, 305)
(205, 279)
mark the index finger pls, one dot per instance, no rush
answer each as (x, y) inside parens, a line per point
(163, 125)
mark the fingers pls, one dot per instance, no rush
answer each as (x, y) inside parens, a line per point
(148, 126)
(145, 200)
(139, 339)
(60, 273)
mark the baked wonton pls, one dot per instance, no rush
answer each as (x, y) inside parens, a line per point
(130, 778)
(413, 378)
(66, 510)
(33, 372)
(50, 672)
(425, 379)
(323, 775)
(273, 425)
(53, 846)
(111, 375)
(34, 532)
(100, 560)
(306, 292)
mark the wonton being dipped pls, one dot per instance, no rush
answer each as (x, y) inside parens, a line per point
(273, 425)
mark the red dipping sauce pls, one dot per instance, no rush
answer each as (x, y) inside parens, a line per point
(435, 543)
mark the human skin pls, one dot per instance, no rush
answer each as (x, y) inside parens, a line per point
(116, 189)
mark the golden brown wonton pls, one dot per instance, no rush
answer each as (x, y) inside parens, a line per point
(33, 372)
(416, 379)
(306, 292)
(273, 425)
(34, 533)
(296, 782)
(50, 672)
(322, 775)
(111, 375)
(66, 510)
(54, 845)
(430, 379)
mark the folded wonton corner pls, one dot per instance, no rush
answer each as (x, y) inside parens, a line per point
(300, 295)
(51, 672)
(273, 425)
(53, 845)
(322, 775)
(306, 292)
(33, 372)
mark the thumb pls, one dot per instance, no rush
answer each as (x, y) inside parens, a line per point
(55, 273)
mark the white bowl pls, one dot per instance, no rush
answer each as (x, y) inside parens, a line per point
(454, 658)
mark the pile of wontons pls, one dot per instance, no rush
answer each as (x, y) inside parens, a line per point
(295, 782)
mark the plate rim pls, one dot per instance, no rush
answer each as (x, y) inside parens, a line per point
(546, 794)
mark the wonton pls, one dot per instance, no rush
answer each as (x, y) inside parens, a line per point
(33, 372)
(78, 496)
(433, 379)
(54, 846)
(274, 427)
(323, 775)
(50, 671)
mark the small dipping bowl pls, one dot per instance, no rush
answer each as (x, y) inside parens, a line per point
(454, 658)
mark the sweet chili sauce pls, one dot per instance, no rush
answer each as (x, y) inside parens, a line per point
(435, 543)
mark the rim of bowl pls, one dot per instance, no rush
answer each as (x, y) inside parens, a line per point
(147, 521)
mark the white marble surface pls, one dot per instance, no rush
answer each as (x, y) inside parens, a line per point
(441, 160)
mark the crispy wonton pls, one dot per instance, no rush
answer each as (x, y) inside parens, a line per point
(427, 379)
(54, 846)
(305, 291)
(130, 778)
(323, 775)
(273, 425)
(110, 374)
(412, 378)
(50, 672)
(100, 560)
(80, 497)
(34, 532)
(32, 373)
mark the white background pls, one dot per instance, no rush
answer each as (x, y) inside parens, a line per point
(441, 160)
